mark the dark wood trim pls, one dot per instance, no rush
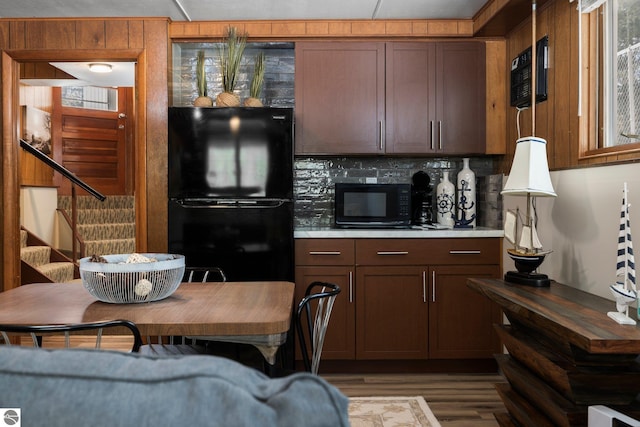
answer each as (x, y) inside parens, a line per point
(74, 55)
(11, 60)
(10, 248)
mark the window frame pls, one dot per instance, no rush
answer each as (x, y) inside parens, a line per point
(594, 98)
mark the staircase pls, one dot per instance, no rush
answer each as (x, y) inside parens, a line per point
(106, 227)
(42, 264)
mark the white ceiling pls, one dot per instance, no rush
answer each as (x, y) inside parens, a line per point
(223, 10)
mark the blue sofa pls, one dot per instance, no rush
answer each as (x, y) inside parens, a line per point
(105, 388)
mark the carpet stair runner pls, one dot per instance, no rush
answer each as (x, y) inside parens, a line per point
(38, 256)
(106, 227)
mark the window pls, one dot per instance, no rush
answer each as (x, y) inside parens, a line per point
(610, 76)
(90, 97)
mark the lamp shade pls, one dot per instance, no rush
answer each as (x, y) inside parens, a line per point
(530, 170)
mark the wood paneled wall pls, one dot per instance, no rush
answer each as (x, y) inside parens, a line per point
(556, 118)
(33, 41)
(291, 30)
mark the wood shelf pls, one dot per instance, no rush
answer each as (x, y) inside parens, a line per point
(564, 354)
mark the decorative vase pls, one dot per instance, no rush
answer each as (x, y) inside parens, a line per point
(466, 200)
(203, 101)
(445, 201)
(230, 60)
(227, 99)
(256, 82)
(252, 102)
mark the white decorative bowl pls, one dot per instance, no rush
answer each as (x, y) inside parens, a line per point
(118, 282)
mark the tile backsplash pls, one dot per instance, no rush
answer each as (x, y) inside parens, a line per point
(314, 180)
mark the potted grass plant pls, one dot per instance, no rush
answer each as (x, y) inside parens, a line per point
(231, 52)
(256, 83)
(201, 79)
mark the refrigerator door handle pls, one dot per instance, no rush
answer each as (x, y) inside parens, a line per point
(231, 203)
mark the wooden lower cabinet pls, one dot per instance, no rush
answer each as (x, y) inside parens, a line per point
(391, 313)
(393, 306)
(458, 320)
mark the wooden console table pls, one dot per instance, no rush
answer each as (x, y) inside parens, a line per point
(564, 354)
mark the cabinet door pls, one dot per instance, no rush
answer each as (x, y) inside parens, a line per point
(391, 313)
(339, 97)
(411, 98)
(340, 338)
(460, 319)
(461, 97)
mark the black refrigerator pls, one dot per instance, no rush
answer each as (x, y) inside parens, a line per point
(231, 190)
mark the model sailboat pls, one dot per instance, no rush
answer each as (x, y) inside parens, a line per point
(624, 289)
(527, 253)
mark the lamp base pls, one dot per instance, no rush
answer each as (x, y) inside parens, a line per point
(528, 279)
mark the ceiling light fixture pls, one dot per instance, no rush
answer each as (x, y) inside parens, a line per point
(100, 67)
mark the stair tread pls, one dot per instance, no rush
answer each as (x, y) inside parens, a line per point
(106, 227)
(106, 231)
(110, 247)
(35, 255)
(34, 248)
(107, 215)
(57, 271)
(88, 202)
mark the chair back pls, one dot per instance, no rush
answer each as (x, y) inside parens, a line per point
(204, 274)
(38, 332)
(316, 323)
(191, 275)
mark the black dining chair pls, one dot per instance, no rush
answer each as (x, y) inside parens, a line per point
(312, 326)
(185, 345)
(83, 334)
(204, 274)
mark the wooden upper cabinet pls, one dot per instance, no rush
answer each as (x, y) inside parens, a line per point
(435, 98)
(411, 98)
(339, 97)
(433, 94)
(460, 81)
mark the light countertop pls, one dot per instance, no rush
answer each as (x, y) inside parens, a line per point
(410, 233)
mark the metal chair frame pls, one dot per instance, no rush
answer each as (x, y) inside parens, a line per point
(184, 345)
(317, 328)
(37, 331)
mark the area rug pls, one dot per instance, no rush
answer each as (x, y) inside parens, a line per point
(390, 411)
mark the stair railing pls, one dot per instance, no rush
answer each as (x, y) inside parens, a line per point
(76, 236)
(74, 181)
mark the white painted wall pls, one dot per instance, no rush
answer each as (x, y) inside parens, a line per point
(38, 211)
(581, 224)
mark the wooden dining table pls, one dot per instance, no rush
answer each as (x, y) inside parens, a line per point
(257, 313)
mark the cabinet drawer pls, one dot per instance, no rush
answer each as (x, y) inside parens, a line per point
(325, 252)
(427, 251)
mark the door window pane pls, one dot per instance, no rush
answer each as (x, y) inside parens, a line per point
(90, 97)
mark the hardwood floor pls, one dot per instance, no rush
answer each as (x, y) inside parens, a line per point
(456, 399)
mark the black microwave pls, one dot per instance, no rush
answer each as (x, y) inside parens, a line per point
(372, 205)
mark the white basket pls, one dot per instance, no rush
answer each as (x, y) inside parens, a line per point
(117, 282)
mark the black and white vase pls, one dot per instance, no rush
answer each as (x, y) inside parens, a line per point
(466, 200)
(445, 201)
